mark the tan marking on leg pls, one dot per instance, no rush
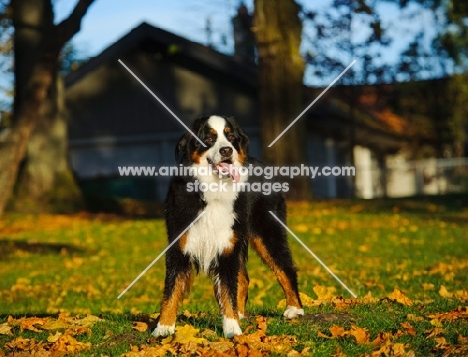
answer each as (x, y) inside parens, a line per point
(242, 289)
(225, 302)
(292, 298)
(169, 306)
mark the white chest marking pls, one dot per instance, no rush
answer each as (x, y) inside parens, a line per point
(212, 233)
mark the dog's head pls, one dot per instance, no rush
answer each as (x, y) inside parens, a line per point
(226, 144)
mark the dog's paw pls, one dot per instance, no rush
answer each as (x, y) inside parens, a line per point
(292, 312)
(163, 330)
(241, 315)
(231, 327)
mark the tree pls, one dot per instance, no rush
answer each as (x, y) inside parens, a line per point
(445, 56)
(278, 32)
(452, 44)
(36, 130)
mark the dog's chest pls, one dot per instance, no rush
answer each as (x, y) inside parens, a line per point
(212, 234)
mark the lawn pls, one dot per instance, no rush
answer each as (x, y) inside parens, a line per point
(406, 259)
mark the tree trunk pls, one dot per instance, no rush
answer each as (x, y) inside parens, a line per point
(281, 69)
(37, 46)
(14, 149)
(46, 181)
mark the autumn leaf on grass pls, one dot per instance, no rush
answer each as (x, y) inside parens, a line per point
(381, 338)
(369, 299)
(336, 331)
(433, 332)
(392, 349)
(444, 292)
(5, 329)
(428, 286)
(412, 317)
(360, 334)
(462, 295)
(55, 324)
(78, 330)
(261, 323)
(67, 343)
(399, 297)
(183, 335)
(21, 344)
(54, 338)
(149, 351)
(29, 322)
(87, 321)
(410, 329)
(441, 343)
(322, 292)
(451, 315)
(140, 326)
(221, 346)
(341, 303)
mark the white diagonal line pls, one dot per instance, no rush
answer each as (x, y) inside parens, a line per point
(161, 102)
(313, 254)
(311, 104)
(160, 255)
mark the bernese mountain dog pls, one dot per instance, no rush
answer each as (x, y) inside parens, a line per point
(217, 243)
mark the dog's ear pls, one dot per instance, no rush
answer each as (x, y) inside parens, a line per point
(182, 151)
(243, 138)
(188, 143)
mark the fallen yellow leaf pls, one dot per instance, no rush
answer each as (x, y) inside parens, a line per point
(183, 335)
(360, 334)
(399, 297)
(444, 292)
(323, 293)
(5, 329)
(140, 326)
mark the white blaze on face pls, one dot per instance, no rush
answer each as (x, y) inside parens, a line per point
(218, 124)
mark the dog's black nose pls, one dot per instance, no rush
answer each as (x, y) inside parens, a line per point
(225, 151)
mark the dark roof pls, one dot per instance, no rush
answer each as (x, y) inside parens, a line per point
(329, 115)
(195, 51)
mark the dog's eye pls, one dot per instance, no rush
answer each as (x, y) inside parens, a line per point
(209, 139)
(231, 137)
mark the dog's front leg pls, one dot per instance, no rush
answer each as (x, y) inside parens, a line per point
(177, 284)
(225, 288)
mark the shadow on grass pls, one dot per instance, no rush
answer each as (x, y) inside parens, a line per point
(9, 247)
(453, 203)
(125, 207)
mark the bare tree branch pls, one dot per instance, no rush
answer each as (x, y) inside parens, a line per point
(72, 24)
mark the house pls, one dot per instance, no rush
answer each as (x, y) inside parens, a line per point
(114, 121)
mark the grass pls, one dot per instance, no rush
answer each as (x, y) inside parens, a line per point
(79, 264)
